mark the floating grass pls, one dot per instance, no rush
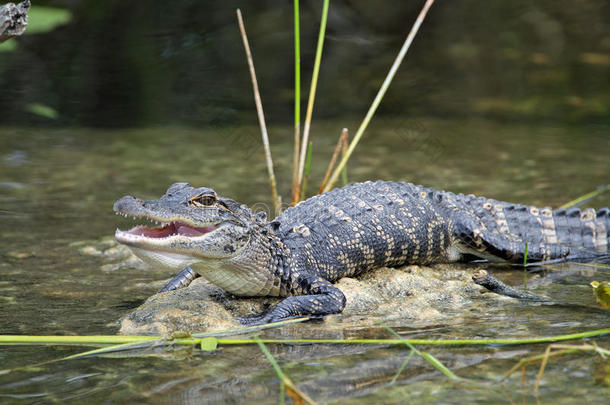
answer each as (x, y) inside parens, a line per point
(261, 114)
(587, 197)
(249, 329)
(114, 344)
(312, 97)
(112, 339)
(384, 87)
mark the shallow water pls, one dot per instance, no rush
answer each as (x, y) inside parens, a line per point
(517, 129)
(58, 190)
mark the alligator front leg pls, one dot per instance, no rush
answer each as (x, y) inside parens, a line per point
(319, 298)
(181, 280)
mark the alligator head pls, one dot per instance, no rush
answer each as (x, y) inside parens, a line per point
(195, 224)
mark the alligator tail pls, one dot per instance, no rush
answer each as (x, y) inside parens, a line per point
(586, 232)
(503, 230)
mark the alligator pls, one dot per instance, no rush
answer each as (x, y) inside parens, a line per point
(342, 233)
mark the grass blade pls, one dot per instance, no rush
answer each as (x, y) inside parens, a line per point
(583, 199)
(307, 168)
(380, 94)
(195, 339)
(402, 367)
(261, 114)
(249, 329)
(74, 340)
(312, 97)
(343, 154)
(109, 349)
(341, 144)
(433, 361)
(548, 353)
(293, 391)
(297, 101)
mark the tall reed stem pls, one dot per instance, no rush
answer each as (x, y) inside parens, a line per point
(312, 97)
(297, 102)
(261, 114)
(340, 143)
(380, 94)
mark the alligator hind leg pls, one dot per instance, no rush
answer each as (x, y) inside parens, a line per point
(322, 298)
(495, 246)
(181, 280)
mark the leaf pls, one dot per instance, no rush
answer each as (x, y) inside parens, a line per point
(433, 361)
(9, 45)
(601, 291)
(209, 344)
(42, 110)
(44, 19)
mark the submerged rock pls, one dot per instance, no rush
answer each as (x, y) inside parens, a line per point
(412, 295)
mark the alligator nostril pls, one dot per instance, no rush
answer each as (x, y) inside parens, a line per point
(125, 202)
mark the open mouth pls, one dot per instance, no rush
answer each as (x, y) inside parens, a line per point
(168, 230)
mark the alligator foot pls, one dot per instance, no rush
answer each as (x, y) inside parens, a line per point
(483, 278)
(181, 280)
(323, 299)
(256, 319)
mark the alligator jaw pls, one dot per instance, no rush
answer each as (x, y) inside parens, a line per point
(171, 228)
(157, 246)
(189, 226)
(145, 237)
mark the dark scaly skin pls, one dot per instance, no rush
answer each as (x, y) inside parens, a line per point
(181, 280)
(483, 278)
(376, 224)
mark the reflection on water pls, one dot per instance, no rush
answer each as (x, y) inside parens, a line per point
(510, 104)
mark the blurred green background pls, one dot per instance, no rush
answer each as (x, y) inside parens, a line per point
(129, 63)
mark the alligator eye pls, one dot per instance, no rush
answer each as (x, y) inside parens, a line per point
(203, 200)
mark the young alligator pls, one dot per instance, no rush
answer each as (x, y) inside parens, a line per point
(343, 233)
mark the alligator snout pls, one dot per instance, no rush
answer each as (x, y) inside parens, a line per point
(126, 203)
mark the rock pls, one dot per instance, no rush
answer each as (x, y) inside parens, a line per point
(115, 256)
(90, 251)
(19, 255)
(413, 295)
(195, 308)
(130, 262)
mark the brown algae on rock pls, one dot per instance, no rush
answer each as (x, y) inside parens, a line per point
(191, 309)
(412, 295)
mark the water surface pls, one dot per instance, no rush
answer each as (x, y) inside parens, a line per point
(510, 108)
